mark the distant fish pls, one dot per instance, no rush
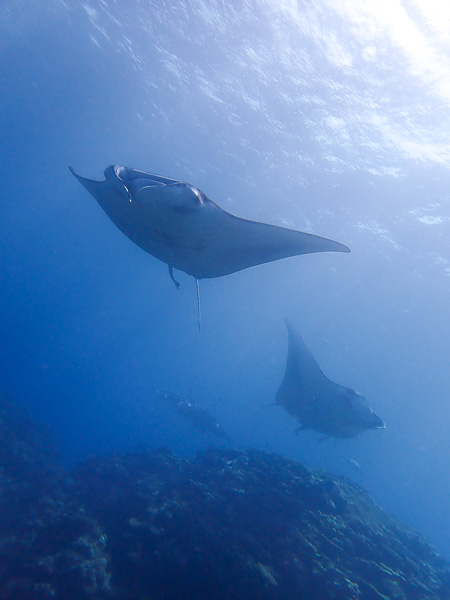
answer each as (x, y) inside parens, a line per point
(355, 465)
(191, 411)
(316, 401)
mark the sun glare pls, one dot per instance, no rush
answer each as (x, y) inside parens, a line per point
(419, 30)
(436, 14)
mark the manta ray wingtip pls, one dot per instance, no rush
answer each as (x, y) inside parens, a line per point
(74, 173)
(342, 248)
(288, 323)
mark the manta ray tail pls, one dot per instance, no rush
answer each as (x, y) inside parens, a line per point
(198, 304)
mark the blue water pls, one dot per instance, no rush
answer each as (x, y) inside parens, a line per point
(329, 118)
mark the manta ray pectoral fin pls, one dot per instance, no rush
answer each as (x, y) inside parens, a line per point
(177, 283)
(234, 243)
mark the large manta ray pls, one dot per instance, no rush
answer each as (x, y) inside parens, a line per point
(178, 224)
(318, 403)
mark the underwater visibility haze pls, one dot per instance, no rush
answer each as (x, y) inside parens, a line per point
(328, 118)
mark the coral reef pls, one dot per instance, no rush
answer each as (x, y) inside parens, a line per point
(49, 546)
(222, 525)
(231, 525)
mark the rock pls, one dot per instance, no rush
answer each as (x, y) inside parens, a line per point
(235, 525)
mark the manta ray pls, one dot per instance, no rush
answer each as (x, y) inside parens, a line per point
(317, 402)
(178, 224)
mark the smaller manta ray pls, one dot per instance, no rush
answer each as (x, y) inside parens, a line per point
(318, 403)
(191, 411)
(178, 224)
